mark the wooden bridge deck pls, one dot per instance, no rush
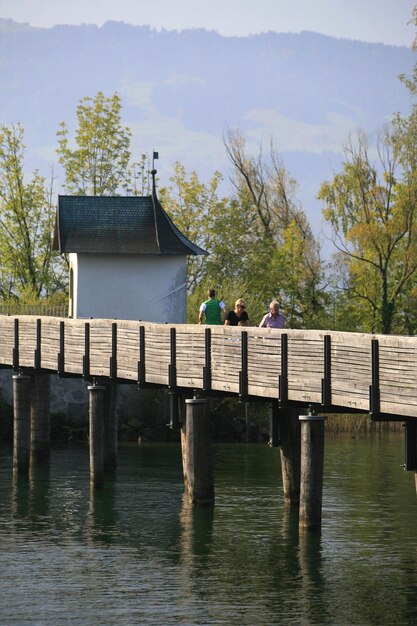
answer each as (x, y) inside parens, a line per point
(376, 373)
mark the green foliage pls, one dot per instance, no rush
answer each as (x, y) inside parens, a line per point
(282, 256)
(191, 205)
(259, 241)
(371, 206)
(29, 267)
(137, 180)
(372, 210)
(99, 163)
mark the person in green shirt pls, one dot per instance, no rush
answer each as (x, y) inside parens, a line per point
(212, 311)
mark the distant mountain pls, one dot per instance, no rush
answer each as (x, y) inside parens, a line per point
(181, 90)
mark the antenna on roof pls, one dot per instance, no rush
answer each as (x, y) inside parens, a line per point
(153, 172)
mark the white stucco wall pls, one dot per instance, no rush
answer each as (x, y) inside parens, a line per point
(147, 288)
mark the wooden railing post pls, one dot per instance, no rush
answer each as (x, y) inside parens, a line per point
(326, 381)
(16, 346)
(61, 353)
(283, 377)
(374, 393)
(172, 367)
(207, 360)
(38, 349)
(86, 356)
(243, 373)
(113, 358)
(141, 360)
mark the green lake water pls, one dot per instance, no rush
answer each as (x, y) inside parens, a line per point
(135, 552)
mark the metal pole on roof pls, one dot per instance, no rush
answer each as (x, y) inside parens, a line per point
(154, 158)
(153, 172)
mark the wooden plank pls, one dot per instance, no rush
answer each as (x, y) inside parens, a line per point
(6, 340)
(27, 340)
(399, 408)
(50, 343)
(263, 391)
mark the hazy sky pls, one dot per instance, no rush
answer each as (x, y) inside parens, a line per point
(383, 21)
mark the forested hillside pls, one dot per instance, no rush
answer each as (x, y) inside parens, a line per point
(181, 90)
(250, 132)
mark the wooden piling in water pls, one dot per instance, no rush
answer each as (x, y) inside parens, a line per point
(96, 396)
(111, 428)
(40, 416)
(289, 441)
(21, 423)
(196, 442)
(312, 462)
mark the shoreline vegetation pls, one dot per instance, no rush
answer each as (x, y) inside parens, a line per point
(359, 423)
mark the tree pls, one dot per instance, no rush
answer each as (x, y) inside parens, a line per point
(215, 224)
(282, 255)
(265, 186)
(372, 211)
(200, 214)
(29, 268)
(99, 164)
(370, 205)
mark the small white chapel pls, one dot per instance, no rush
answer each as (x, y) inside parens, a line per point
(127, 259)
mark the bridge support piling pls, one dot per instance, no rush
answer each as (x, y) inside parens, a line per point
(196, 442)
(97, 397)
(289, 440)
(21, 423)
(40, 417)
(312, 462)
(110, 434)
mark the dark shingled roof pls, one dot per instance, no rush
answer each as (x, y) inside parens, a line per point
(118, 225)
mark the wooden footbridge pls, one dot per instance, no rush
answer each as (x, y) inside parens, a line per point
(361, 372)
(324, 369)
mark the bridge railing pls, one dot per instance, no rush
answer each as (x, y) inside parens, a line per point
(357, 371)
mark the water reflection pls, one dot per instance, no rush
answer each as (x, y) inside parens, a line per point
(39, 493)
(138, 552)
(102, 518)
(20, 498)
(289, 534)
(314, 598)
(30, 497)
(196, 532)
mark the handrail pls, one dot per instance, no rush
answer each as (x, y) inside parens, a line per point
(364, 372)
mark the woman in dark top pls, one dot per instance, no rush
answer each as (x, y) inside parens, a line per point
(237, 317)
